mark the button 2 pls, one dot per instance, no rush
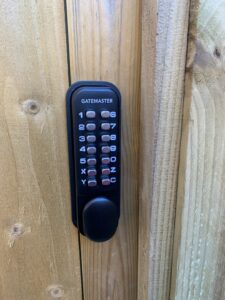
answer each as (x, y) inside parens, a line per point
(90, 126)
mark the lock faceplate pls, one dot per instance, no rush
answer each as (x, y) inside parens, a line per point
(93, 121)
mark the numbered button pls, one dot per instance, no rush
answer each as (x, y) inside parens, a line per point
(105, 114)
(105, 138)
(92, 172)
(91, 138)
(106, 181)
(91, 161)
(105, 171)
(90, 114)
(90, 126)
(105, 149)
(105, 160)
(92, 182)
(105, 126)
(91, 150)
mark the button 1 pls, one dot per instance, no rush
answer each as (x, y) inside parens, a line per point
(91, 150)
(105, 126)
(91, 138)
(105, 171)
(105, 138)
(91, 161)
(105, 160)
(92, 182)
(92, 172)
(90, 114)
(105, 181)
(105, 149)
(105, 114)
(90, 126)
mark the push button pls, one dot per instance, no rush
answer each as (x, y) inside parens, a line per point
(105, 126)
(105, 114)
(105, 171)
(105, 181)
(90, 126)
(105, 149)
(91, 161)
(105, 160)
(92, 172)
(91, 150)
(92, 182)
(90, 114)
(91, 138)
(105, 138)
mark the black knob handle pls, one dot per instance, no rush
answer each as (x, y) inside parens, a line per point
(100, 219)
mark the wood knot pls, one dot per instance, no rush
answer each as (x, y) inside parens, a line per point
(55, 291)
(16, 230)
(217, 52)
(31, 106)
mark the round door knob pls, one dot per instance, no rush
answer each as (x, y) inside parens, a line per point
(100, 219)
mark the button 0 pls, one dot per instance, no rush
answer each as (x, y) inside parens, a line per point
(105, 138)
(91, 138)
(92, 182)
(105, 114)
(105, 171)
(92, 172)
(105, 126)
(90, 126)
(91, 161)
(91, 150)
(105, 149)
(105, 160)
(90, 114)
(105, 181)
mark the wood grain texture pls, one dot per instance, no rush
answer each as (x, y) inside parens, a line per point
(39, 251)
(199, 260)
(104, 38)
(161, 115)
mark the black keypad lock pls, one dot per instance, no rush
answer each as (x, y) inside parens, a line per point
(93, 121)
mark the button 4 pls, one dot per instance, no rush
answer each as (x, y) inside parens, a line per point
(91, 150)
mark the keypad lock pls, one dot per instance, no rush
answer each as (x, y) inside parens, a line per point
(93, 121)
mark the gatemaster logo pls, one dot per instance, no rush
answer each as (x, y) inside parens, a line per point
(96, 100)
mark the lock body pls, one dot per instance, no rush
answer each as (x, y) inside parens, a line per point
(93, 117)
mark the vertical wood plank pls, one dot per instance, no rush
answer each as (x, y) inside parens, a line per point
(161, 115)
(199, 261)
(104, 38)
(39, 250)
